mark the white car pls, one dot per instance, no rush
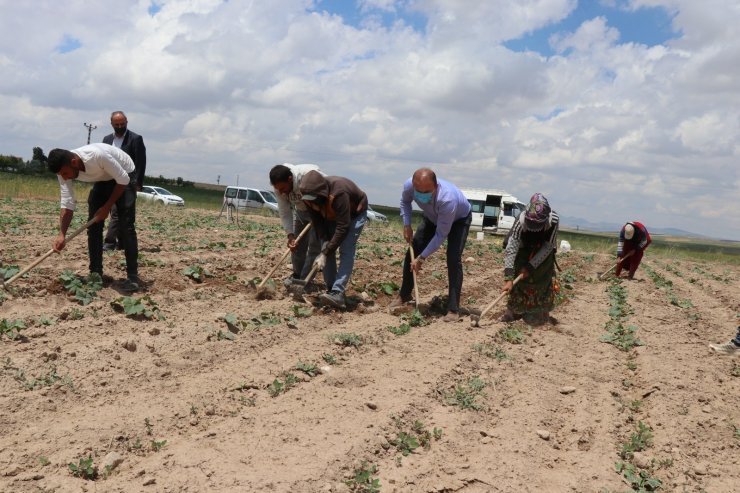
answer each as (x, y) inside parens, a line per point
(375, 216)
(159, 195)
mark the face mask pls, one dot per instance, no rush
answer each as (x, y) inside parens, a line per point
(120, 131)
(423, 198)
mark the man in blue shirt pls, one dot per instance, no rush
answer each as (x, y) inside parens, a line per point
(446, 217)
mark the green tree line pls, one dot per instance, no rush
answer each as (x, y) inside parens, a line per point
(37, 166)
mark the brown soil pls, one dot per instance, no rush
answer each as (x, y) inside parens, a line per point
(553, 415)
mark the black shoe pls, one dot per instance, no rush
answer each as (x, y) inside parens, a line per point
(333, 298)
(109, 247)
(131, 284)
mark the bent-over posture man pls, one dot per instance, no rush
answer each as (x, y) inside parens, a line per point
(294, 216)
(447, 216)
(338, 211)
(114, 176)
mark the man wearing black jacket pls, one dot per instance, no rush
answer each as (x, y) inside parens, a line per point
(132, 144)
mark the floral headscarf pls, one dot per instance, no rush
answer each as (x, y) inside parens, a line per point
(538, 212)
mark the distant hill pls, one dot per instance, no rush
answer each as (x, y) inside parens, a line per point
(604, 227)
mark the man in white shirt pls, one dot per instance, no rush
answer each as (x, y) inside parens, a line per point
(286, 180)
(114, 176)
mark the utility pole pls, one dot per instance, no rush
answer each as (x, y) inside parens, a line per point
(218, 180)
(90, 128)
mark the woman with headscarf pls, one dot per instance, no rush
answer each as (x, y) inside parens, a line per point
(633, 237)
(531, 252)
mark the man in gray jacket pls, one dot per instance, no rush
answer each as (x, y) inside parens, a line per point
(286, 180)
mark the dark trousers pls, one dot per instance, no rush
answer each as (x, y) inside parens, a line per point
(126, 206)
(455, 245)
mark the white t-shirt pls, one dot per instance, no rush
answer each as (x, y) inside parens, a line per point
(103, 162)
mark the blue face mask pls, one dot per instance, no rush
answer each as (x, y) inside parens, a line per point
(423, 198)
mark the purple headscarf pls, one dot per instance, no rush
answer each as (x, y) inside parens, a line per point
(538, 212)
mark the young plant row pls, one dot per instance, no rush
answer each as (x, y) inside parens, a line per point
(666, 285)
(638, 477)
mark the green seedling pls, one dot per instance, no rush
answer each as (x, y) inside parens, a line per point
(363, 481)
(43, 461)
(75, 314)
(329, 358)
(8, 271)
(490, 351)
(639, 480)
(83, 290)
(44, 320)
(511, 334)
(278, 386)
(639, 441)
(620, 336)
(221, 335)
(405, 443)
(301, 311)
(157, 446)
(197, 273)
(401, 330)
(148, 425)
(43, 380)
(84, 469)
(347, 340)
(11, 329)
(308, 368)
(132, 307)
(465, 395)
(415, 319)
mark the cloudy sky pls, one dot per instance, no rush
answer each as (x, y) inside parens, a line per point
(616, 110)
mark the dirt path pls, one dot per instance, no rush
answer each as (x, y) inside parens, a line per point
(191, 406)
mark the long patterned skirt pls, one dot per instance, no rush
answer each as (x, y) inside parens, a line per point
(533, 297)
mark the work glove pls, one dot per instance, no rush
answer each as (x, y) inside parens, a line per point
(320, 261)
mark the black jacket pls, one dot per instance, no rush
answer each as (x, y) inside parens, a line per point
(133, 145)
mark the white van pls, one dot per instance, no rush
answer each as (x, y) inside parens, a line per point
(243, 198)
(494, 211)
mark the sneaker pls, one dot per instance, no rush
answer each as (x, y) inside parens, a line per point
(729, 348)
(333, 298)
(109, 247)
(452, 317)
(131, 284)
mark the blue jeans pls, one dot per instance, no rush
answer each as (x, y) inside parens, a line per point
(336, 280)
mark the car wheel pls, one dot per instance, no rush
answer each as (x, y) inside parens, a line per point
(161, 202)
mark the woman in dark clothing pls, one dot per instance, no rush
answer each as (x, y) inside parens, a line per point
(531, 252)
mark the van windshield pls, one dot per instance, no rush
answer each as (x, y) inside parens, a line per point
(230, 193)
(269, 196)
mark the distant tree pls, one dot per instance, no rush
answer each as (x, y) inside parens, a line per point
(38, 155)
(13, 164)
(179, 181)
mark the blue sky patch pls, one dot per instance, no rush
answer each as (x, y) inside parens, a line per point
(154, 8)
(648, 26)
(350, 12)
(68, 44)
